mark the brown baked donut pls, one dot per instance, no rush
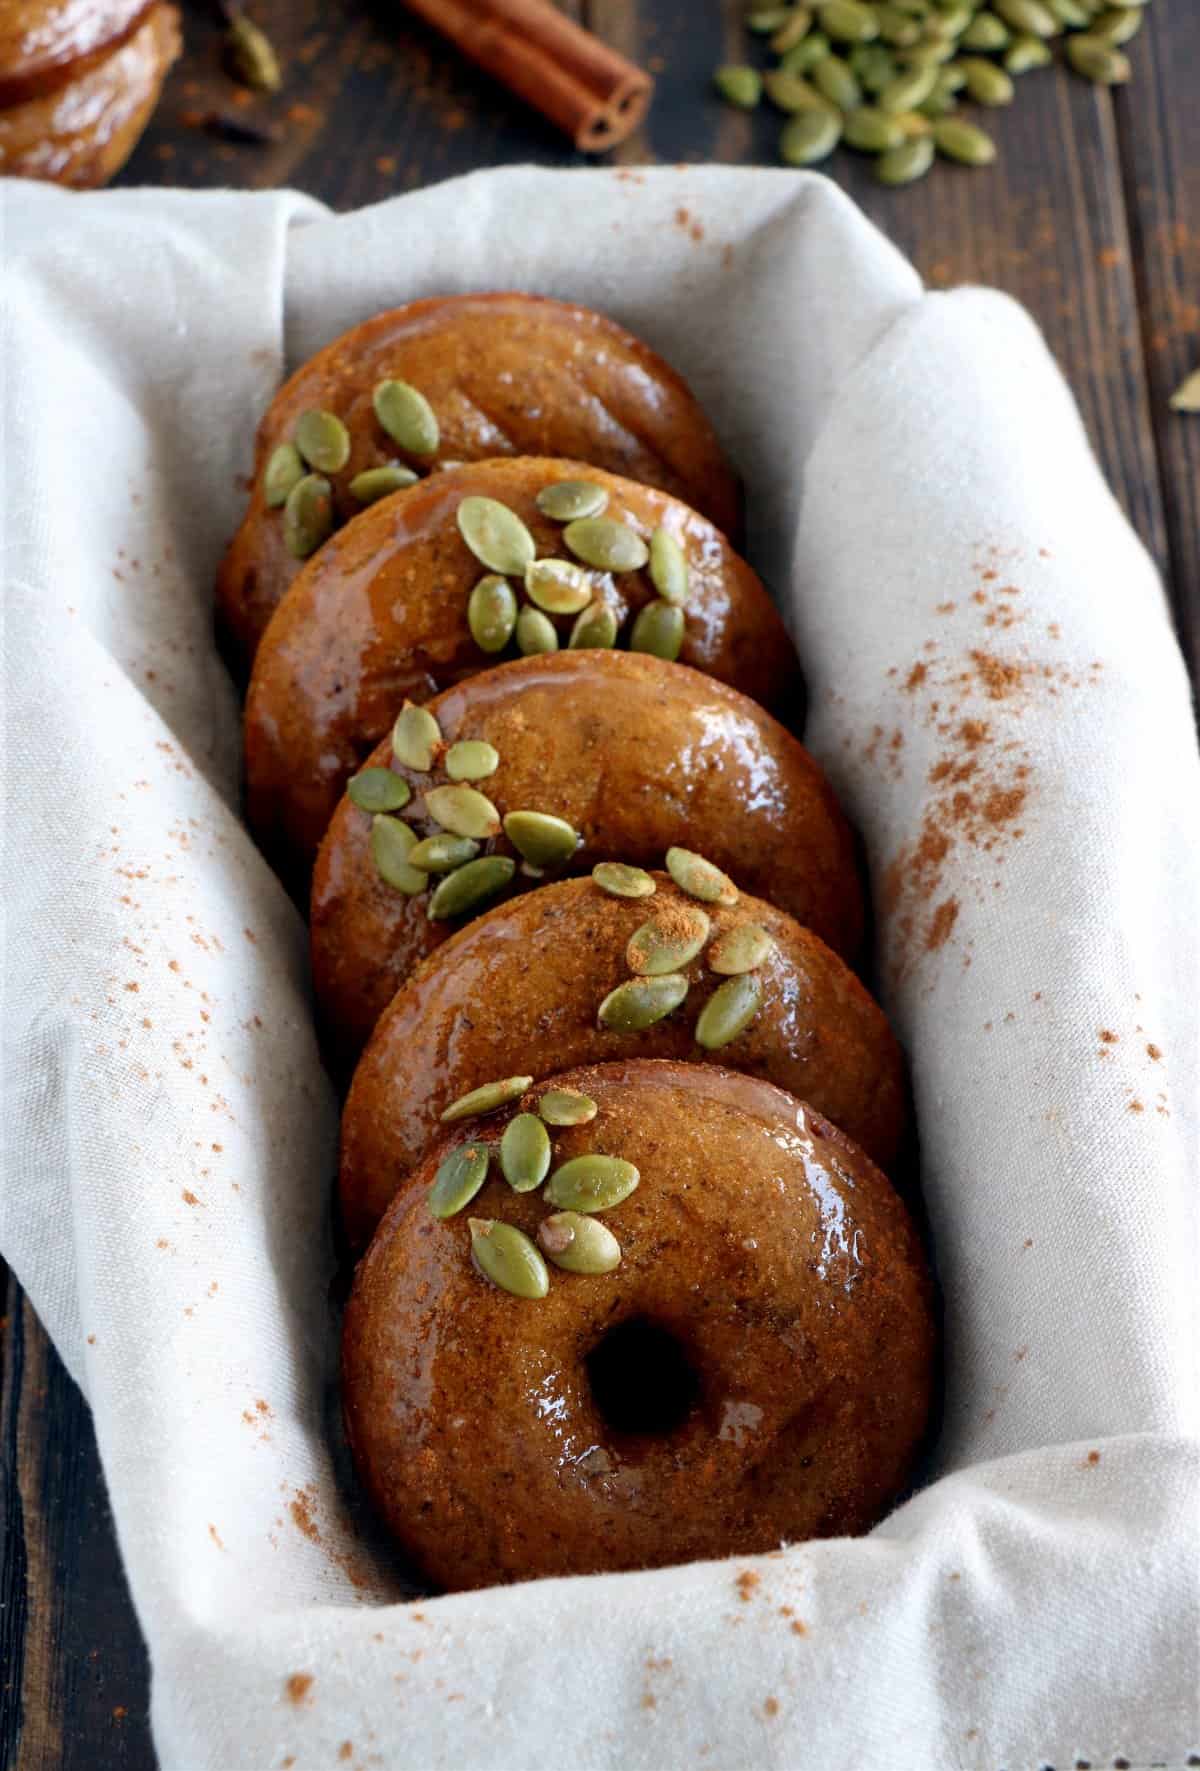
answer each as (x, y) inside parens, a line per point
(505, 374)
(756, 1370)
(519, 989)
(380, 614)
(637, 755)
(82, 131)
(45, 43)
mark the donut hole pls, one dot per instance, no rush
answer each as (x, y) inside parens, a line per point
(641, 1378)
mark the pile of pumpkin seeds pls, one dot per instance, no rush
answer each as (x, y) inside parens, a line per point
(464, 818)
(664, 944)
(889, 78)
(578, 1189)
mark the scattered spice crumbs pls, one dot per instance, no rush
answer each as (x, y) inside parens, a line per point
(299, 1686)
(746, 1582)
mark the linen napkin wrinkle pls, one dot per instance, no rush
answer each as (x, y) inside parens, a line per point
(998, 697)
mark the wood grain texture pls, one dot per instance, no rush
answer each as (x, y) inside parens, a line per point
(1091, 217)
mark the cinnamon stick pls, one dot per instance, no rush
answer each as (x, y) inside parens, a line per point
(563, 71)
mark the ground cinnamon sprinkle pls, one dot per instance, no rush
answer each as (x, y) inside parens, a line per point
(943, 921)
(298, 1686)
(746, 1582)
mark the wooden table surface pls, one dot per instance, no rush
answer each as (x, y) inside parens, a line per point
(1091, 216)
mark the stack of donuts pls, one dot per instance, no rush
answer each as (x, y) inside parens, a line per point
(633, 1286)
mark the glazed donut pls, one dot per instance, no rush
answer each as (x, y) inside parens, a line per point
(755, 1370)
(521, 988)
(45, 43)
(504, 374)
(636, 755)
(381, 614)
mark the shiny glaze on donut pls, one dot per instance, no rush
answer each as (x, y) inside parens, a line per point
(44, 43)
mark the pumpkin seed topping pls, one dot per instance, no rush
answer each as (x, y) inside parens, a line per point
(416, 738)
(658, 629)
(669, 941)
(622, 881)
(442, 853)
(591, 1183)
(459, 1177)
(463, 811)
(535, 633)
(492, 613)
(740, 949)
(579, 1244)
(525, 1153)
(308, 516)
(728, 1011)
(468, 887)
(378, 790)
(407, 417)
(284, 469)
(566, 1106)
(495, 535)
(565, 500)
(506, 1256)
(489, 1097)
(700, 878)
(595, 628)
(471, 759)
(668, 567)
(392, 842)
(640, 1002)
(323, 440)
(608, 545)
(541, 838)
(375, 483)
(558, 586)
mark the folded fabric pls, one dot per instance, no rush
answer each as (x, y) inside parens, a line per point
(997, 694)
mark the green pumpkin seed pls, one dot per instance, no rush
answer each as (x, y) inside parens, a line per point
(1025, 53)
(767, 19)
(622, 881)
(910, 161)
(1069, 12)
(565, 500)
(468, 887)
(407, 417)
(871, 131)
(962, 141)
(986, 33)
(931, 55)
(793, 30)
(793, 93)
(489, 1097)
(606, 544)
(284, 470)
(566, 1106)
(1030, 17)
(323, 440)
(591, 1183)
(846, 21)
(559, 586)
(375, 483)
(807, 138)
(492, 613)
(525, 1153)
(699, 878)
(740, 949)
(507, 1257)
(986, 83)
(1096, 60)
(728, 1011)
(951, 78)
(378, 790)
(442, 853)
(579, 1244)
(392, 842)
(459, 1177)
(897, 28)
(805, 56)
(1117, 25)
(252, 54)
(948, 23)
(535, 633)
(668, 567)
(638, 1004)
(416, 738)
(914, 123)
(595, 627)
(874, 66)
(908, 90)
(740, 86)
(308, 516)
(463, 811)
(495, 535)
(540, 838)
(938, 104)
(834, 80)
(659, 627)
(669, 943)
(471, 759)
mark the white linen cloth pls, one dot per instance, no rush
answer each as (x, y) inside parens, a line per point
(976, 620)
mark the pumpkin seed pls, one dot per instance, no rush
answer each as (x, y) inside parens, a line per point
(489, 1097)
(669, 943)
(471, 759)
(566, 1106)
(897, 28)
(874, 66)
(638, 1004)
(565, 500)
(459, 1177)
(931, 55)
(323, 440)
(525, 1153)
(728, 1011)
(908, 90)
(1117, 25)
(804, 58)
(846, 21)
(1030, 17)
(407, 417)
(699, 878)
(834, 80)
(793, 93)
(579, 1244)
(507, 1257)
(541, 838)
(986, 83)
(606, 544)
(1025, 53)
(871, 130)
(767, 19)
(792, 31)
(284, 470)
(964, 142)
(443, 853)
(595, 627)
(622, 881)
(659, 627)
(392, 841)
(948, 23)
(307, 516)
(938, 104)
(1186, 397)
(492, 613)
(1096, 60)
(252, 54)
(1069, 12)
(468, 887)
(535, 633)
(914, 123)
(591, 1183)
(463, 811)
(740, 86)
(910, 161)
(986, 32)
(807, 138)
(559, 586)
(740, 949)
(668, 567)
(495, 535)
(375, 483)
(416, 738)
(378, 790)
